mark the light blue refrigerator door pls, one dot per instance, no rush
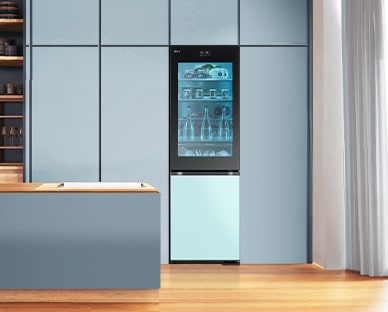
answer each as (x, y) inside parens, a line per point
(205, 218)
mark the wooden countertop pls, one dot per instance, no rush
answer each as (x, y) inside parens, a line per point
(56, 187)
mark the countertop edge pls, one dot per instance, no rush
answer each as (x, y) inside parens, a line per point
(54, 188)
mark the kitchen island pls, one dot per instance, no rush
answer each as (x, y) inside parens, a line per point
(53, 237)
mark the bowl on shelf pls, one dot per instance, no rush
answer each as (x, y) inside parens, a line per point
(9, 16)
(8, 4)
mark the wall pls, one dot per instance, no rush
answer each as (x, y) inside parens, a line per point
(328, 201)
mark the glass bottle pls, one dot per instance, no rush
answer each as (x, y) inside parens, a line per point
(223, 129)
(206, 128)
(188, 128)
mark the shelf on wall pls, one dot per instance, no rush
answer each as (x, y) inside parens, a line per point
(11, 116)
(11, 98)
(11, 25)
(11, 147)
(10, 164)
(11, 60)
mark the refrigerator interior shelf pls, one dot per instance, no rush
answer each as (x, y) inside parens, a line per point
(206, 99)
(206, 143)
(205, 79)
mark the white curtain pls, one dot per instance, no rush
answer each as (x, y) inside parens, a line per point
(365, 113)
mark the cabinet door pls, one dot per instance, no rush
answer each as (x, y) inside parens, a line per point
(274, 155)
(134, 120)
(126, 22)
(212, 22)
(65, 114)
(27, 113)
(70, 22)
(273, 22)
(27, 22)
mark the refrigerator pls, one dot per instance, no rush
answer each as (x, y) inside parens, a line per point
(204, 154)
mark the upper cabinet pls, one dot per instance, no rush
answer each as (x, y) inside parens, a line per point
(27, 18)
(126, 22)
(70, 22)
(273, 22)
(65, 114)
(204, 22)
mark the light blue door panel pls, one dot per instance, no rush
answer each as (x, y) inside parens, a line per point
(134, 120)
(27, 33)
(205, 218)
(212, 22)
(65, 119)
(273, 22)
(27, 113)
(70, 22)
(274, 155)
(142, 22)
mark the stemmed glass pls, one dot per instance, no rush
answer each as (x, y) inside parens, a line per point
(12, 133)
(4, 134)
(20, 135)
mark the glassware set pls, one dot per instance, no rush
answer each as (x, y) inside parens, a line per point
(207, 133)
(12, 136)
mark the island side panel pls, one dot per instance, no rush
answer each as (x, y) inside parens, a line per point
(79, 240)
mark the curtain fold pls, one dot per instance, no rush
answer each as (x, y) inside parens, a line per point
(365, 131)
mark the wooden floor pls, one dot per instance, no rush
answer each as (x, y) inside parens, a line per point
(216, 288)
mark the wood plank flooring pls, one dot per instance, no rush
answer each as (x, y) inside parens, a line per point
(217, 288)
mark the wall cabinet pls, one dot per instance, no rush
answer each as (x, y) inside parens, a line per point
(126, 22)
(274, 155)
(204, 22)
(273, 22)
(70, 22)
(65, 118)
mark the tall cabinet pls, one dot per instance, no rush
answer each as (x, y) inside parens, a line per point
(64, 103)
(274, 131)
(11, 93)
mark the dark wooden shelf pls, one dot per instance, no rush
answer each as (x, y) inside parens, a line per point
(11, 116)
(11, 25)
(11, 147)
(11, 61)
(11, 98)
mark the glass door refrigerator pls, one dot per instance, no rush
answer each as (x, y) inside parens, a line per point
(204, 154)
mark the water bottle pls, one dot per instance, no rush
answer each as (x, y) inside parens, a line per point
(188, 128)
(223, 129)
(206, 128)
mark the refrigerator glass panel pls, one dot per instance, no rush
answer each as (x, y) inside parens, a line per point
(205, 109)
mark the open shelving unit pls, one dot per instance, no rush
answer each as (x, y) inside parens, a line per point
(11, 108)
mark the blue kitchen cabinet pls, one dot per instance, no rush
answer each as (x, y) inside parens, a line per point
(274, 155)
(70, 22)
(126, 22)
(134, 120)
(273, 22)
(204, 22)
(65, 114)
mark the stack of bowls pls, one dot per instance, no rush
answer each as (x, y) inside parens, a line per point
(9, 9)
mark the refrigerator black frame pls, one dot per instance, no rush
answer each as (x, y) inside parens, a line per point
(203, 53)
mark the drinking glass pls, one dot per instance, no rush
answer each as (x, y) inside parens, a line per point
(4, 134)
(12, 135)
(20, 135)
